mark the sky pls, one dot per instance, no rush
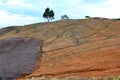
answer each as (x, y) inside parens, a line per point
(23, 12)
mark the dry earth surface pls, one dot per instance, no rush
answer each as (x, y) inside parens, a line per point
(82, 48)
(18, 56)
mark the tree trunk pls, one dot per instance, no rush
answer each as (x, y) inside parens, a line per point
(48, 19)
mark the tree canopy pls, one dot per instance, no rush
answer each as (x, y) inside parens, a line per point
(48, 14)
(87, 17)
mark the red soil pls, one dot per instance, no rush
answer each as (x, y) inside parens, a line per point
(83, 48)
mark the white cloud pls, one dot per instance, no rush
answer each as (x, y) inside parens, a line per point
(73, 8)
(1, 3)
(108, 9)
(19, 3)
(8, 19)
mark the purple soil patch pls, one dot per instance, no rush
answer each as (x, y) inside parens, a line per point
(18, 56)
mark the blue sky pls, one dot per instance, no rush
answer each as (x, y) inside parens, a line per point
(21, 12)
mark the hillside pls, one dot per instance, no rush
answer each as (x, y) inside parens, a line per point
(82, 48)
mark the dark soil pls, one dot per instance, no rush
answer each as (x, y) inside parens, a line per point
(18, 56)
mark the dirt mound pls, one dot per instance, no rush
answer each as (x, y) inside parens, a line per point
(83, 48)
(18, 56)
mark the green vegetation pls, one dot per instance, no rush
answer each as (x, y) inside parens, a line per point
(48, 14)
(116, 78)
(87, 17)
(117, 19)
(64, 17)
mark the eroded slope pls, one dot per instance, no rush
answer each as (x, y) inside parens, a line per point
(18, 56)
(88, 47)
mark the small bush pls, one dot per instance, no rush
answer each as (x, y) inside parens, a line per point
(64, 17)
(87, 17)
(116, 78)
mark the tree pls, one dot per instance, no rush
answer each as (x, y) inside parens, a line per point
(64, 16)
(48, 14)
(51, 14)
(87, 17)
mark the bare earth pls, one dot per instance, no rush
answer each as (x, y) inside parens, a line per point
(82, 48)
(17, 57)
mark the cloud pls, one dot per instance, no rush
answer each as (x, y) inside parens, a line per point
(18, 3)
(18, 12)
(93, 2)
(1, 3)
(8, 19)
(108, 9)
(79, 9)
